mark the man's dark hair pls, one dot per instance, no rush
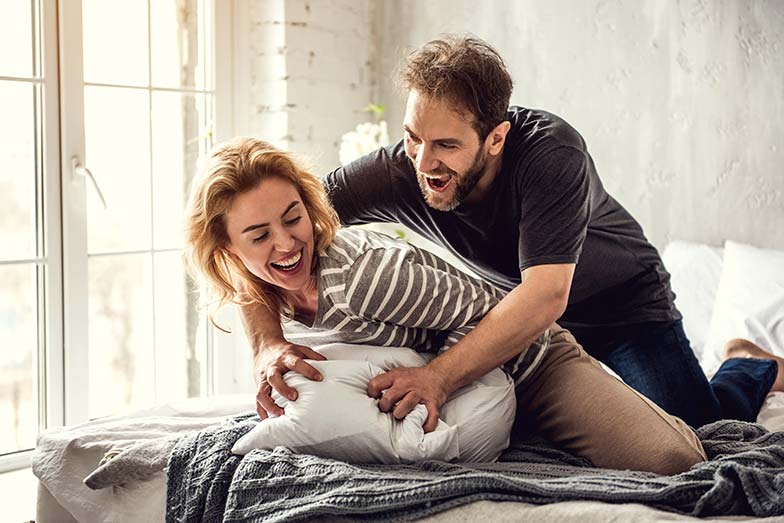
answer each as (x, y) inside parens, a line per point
(465, 71)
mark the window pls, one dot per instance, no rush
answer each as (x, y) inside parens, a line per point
(97, 315)
(30, 257)
(148, 115)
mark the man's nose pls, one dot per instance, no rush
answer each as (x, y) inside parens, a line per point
(425, 159)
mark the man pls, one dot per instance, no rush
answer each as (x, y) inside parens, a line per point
(514, 193)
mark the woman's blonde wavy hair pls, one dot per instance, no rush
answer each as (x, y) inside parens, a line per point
(234, 168)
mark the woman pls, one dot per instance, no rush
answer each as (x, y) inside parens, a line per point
(260, 229)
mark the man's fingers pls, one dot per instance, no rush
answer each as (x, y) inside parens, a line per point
(390, 398)
(406, 405)
(310, 354)
(378, 384)
(432, 417)
(307, 370)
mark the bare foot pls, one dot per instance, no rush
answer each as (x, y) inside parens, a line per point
(740, 348)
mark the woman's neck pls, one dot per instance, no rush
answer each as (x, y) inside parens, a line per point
(305, 302)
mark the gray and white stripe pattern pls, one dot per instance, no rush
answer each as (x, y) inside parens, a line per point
(376, 290)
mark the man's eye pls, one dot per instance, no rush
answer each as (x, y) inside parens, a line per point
(448, 146)
(412, 139)
(294, 221)
(260, 238)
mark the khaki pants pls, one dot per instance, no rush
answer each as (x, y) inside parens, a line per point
(570, 400)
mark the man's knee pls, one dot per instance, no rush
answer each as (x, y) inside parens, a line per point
(678, 458)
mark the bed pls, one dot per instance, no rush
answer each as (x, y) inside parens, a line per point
(719, 291)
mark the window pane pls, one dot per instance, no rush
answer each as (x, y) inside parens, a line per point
(117, 141)
(115, 41)
(16, 39)
(120, 353)
(18, 339)
(180, 137)
(178, 41)
(18, 175)
(176, 322)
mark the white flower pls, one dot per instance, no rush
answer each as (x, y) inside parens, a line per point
(366, 138)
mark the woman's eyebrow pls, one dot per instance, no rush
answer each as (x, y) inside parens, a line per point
(259, 225)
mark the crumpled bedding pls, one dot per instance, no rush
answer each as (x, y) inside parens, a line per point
(745, 476)
(65, 456)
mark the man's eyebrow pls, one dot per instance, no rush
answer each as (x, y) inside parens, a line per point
(453, 141)
(409, 131)
(259, 225)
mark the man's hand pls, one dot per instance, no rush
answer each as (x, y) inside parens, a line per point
(270, 366)
(403, 388)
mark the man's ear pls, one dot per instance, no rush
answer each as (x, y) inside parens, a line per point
(497, 138)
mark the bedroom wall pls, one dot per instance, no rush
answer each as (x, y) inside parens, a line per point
(302, 72)
(681, 103)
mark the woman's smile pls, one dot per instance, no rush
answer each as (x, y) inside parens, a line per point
(271, 233)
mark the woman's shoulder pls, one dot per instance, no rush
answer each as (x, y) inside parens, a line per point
(351, 243)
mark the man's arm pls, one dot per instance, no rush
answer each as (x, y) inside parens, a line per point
(511, 326)
(273, 357)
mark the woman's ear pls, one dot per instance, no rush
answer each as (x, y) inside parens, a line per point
(228, 251)
(230, 256)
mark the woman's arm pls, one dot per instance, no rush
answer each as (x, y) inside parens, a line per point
(273, 357)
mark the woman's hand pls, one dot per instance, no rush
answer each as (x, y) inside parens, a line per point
(269, 367)
(403, 388)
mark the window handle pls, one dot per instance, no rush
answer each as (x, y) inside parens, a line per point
(81, 170)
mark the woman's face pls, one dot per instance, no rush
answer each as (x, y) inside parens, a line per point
(271, 233)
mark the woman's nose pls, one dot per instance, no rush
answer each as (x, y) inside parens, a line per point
(284, 241)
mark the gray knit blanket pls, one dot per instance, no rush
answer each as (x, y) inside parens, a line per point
(206, 482)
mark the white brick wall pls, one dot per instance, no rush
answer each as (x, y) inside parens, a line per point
(306, 67)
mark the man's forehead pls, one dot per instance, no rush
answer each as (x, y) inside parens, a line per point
(424, 112)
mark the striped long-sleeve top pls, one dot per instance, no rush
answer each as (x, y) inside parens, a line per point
(375, 290)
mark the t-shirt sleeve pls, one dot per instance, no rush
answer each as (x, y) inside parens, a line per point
(555, 208)
(362, 191)
(393, 286)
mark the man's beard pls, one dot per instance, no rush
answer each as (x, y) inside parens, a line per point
(464, 184)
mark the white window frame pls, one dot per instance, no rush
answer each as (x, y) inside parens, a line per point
(74, 187)
(48, 356)
(62, 352)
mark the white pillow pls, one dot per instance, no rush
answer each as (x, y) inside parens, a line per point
(696, 270)
(749, 279)
(765, 327)
(335, 418)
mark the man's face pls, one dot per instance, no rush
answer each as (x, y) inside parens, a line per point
(445, 150)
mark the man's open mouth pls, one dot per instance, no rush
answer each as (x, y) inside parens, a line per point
(438, 183)
(289, 264)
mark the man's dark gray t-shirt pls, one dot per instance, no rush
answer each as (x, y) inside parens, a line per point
(547, 205)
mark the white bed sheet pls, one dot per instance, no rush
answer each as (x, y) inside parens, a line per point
(70, 455)
(65, 456)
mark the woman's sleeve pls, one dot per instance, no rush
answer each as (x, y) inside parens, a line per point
(409, 288)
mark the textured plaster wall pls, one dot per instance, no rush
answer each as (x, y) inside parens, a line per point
(681, 102)
(303, 72)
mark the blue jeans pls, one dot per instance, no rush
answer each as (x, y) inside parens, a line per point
(656, 359)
